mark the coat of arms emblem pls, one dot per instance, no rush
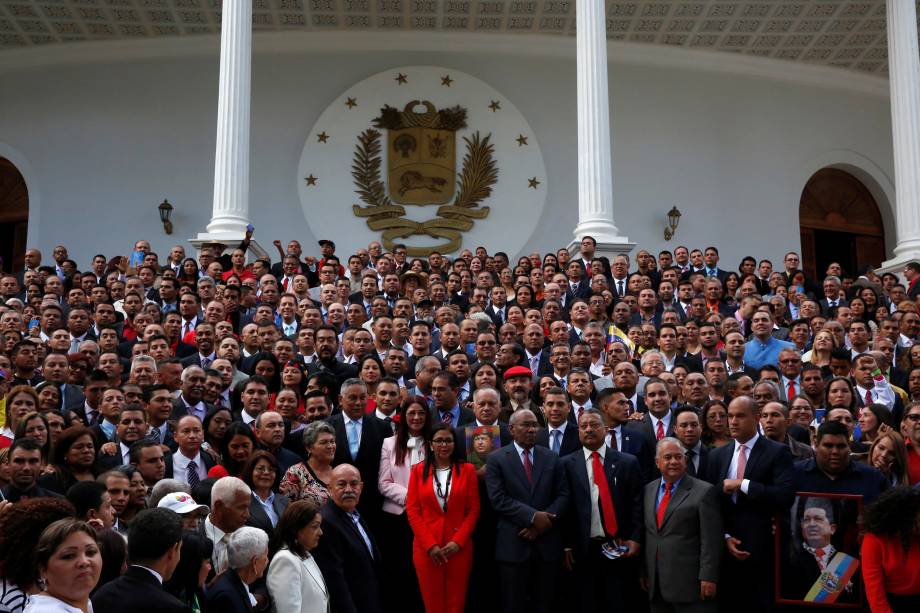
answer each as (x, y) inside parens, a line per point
(421, 170)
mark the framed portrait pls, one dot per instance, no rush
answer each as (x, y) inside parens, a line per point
(817, 552)
(480, 442)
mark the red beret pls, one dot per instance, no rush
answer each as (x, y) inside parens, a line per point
(518, 371)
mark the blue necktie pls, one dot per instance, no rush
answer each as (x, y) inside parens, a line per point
(354, 439)
(557, 435)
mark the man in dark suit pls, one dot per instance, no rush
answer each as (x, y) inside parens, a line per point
(347, 554)
(614, 404)
(529, 492)
(155, 539)
(683, 536)
(190, 400)
(688, 430)
(536, 352)
(189, 464)
(605, 489)
(658, 421)
(755, 476)
(560, 434)
(247, 551)
(577, 285)
(358, 439)
(444, 389)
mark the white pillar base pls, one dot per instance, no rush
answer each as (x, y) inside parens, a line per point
(230, 241)
(896, 264)
(608, 248)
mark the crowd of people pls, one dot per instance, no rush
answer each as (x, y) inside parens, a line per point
(378, 433)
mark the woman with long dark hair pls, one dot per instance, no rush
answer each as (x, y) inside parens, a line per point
(443, 507)
(73, 460)
(397, 457)
(890, 553)
(238, 444)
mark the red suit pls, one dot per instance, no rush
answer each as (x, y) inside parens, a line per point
(443, 586)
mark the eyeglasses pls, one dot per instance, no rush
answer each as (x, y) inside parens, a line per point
(265, 470)
(450, 441)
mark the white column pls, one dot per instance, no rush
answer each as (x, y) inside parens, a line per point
(904, 79)
(230, 210)
(595, 174)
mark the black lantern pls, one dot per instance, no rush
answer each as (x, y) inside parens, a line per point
(166, 210)
(673, 221)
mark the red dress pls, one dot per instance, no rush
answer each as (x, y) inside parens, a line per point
(443, 586)
(887, 569)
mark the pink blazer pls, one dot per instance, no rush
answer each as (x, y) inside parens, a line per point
(393, 480)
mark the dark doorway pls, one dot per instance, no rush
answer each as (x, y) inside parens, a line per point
(840, 222)
(14, 216)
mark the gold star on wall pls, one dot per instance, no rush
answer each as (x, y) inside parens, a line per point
(496, 105)
(401, 79)
(521, 140)
(351, 103)
(311, 180)
(322, 137)
(446, 80)
(533, 183)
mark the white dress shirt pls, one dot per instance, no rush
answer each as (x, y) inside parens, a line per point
(180, 467)
(219, 559)
(597, 528)
(733, 467)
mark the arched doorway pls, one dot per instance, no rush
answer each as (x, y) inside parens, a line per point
(14, 216)
(840, 222)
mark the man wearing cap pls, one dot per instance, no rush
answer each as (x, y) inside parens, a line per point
(327, 248)
(185, 506)
(518, 385)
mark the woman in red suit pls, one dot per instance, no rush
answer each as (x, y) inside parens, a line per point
(443, 506)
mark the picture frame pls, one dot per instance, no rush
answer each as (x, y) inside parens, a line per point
(817, 552)
(480, 442)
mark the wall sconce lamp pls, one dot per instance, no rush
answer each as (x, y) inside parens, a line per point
(166, 210)
(673, 222)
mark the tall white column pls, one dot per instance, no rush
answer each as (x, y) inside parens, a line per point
(230, 209)
(904, 79)
(595, 174)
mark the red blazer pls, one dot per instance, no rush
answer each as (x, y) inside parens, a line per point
(430, 524)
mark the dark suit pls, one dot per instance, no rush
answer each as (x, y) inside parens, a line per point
(544, 368)
(645, 427)
(582, 290)
(749, 518)
(601, 584)
(373, 431)
(568, 444)
(492, 312)
(228, 595)
(137, 591)
(526, 567)
(688, 546)
(636, 443)
(465, 418)
(258, 518)
(702, 461)
(694, 362)
(348, 567)
(180, 410)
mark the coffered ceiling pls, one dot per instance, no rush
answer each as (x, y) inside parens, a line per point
(843, 33)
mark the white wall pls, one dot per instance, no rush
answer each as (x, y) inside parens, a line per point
(105, 142)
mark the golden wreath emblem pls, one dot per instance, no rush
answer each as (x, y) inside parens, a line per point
(421, 170)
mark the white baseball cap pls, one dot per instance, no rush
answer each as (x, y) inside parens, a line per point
(181, 503)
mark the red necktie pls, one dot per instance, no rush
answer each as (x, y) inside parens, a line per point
(608, 515)
(613, 439)
(659, 434)
(528, 466)
(581, 411)
(284, 284)
(663, 503)
(868, 397)
(791, 393)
